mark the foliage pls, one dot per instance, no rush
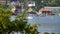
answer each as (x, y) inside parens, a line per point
(46, 33)
(52, 33)
(51, 2)
(38, 4)
(19, 24)
(42, 3)
(21, 0)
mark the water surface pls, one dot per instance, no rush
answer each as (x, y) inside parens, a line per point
(46, 23)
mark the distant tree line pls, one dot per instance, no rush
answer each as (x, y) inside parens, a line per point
(42, 3)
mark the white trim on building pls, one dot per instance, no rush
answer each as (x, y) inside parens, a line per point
(31, 4)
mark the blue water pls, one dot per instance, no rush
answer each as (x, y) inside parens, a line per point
(46, 23)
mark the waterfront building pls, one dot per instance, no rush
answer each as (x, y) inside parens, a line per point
(45, 11)
(50, 10)
(55, 10)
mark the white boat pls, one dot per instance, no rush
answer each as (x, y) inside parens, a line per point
(29, 17)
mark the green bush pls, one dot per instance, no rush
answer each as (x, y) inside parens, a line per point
(19, 24)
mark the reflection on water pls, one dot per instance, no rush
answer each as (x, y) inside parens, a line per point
(47, 23)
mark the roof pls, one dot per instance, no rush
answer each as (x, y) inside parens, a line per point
(45, 9)
(30, 9)
(54, 9)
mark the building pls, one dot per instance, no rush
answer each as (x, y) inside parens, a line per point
(30, 10)
(45, 10)
(30, 3)
(55, 10)
(9, 2)
(50, 10)
(4, 1)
